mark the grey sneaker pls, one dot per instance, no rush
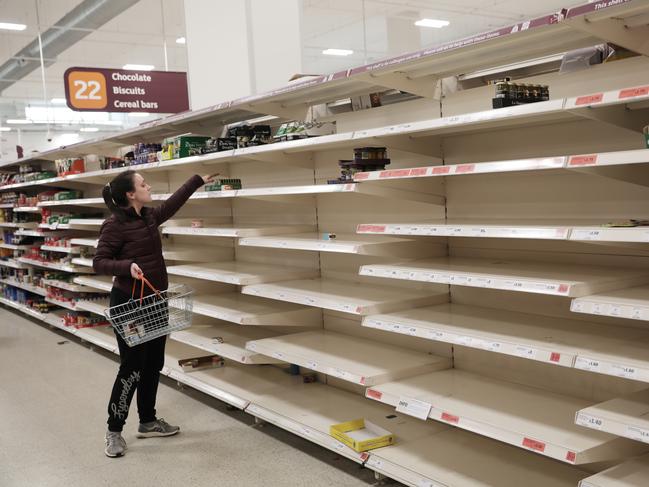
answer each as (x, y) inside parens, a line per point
(115, 444)
(159, 427)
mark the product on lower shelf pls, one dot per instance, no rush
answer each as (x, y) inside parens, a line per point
(361, 435)
(201, 363)
(365, 159)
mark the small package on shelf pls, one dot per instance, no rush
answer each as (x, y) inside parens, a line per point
(65, 167)
(365, 159)
(224, 185)
(510, 94)
(201, 363)
(361, 435)
(183, 146)
(68, 195)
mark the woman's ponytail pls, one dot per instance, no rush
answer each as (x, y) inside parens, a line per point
(114, 193)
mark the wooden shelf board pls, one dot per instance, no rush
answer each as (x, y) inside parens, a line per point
(346, 357)
(345, 296)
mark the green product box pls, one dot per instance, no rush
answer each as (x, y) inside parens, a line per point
(183, 146)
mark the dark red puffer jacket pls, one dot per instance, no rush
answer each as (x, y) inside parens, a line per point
(136, 238)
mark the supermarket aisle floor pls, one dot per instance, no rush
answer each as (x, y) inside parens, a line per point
(52, 404)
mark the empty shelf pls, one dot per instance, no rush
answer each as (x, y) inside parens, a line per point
(570, 343)
(348, 297)
(55, 266)
(83, 261)
(15, 247)
(96, 306)
(102, 336)
(626, 416)
(18, 225)
(633, 473)
(85, 242)
(347, 357)
(607, 234)
(227, 341)
(13, 264)
(235, 230)
(347, 244)
(632, 303)
(249, 310)
(476, 230)
(103, 283)
(522, 416)
(424, 454)
(240, 273)
(532, 277)
(85, 222)
(68, 286)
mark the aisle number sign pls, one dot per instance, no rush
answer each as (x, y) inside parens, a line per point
(117, 90)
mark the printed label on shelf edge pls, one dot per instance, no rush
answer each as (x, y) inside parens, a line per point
(633, 92)
(637, 433)
(584, 160)
(534, 444)
(413, 407)
(450, 418)
(589, 99)
(589, 421)
(585, 363)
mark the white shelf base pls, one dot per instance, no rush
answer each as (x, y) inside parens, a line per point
(240, 273)
(53, 265)
(347, 297)
(530, 277)
(83, 261)
(346, 244)
(346, 357)
(96, 307)
(474, 230)
(234, 231)
(64, 250)
(85, 242)
(102, 283)
(632, 303)
(228, 341)
(633, 473)
(252, 311)
(569, 343)
(525, 417)
(626, 416)
(68, 286)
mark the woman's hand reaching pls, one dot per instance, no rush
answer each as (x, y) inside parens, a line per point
(209, 178)
(136, 272)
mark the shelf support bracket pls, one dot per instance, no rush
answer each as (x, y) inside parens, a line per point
(613, 30)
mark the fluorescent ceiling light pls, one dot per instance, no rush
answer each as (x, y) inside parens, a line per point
(181, 40)
(88, 129)
(434, 23)
(12, 26)
(139, 67)
(139, 114)
(5, 129)
(58, 101)
(337, 52)
(18, 121)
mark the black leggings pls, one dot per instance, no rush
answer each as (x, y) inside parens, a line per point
(139, 370)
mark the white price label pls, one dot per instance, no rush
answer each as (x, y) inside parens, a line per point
(414, 407)
(436, 335)
(615, 311)
(339, 446)
(278, 355)
(311, 365)
(587, 235)
(459, 280)
(589, 421)
(597, 309)
(465, 341)
(577, 307)
(425, 483)
(493, 346)
(624, 371)
(525, 352)
(636, 313)
(585, 363)
(639, 434)
(412, 331)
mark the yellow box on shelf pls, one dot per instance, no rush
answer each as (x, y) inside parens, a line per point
(361, 435)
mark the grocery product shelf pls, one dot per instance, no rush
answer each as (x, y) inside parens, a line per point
(52, 265)
(68, 286)
(235, 230)
(240, 273)
(62, 304)
(103, 283)
(35, 233)
(633, 473)
(102, 336)
(348, 297)
(227, 341)
(526, 417)
(85, 242)
(27, 287)
(13, 264)
(346, 357)
(531, 277)
(97, 306)
(51, 318)
(15, 247)
(196, 253)
(26, 209)
(631, 303)
(83, 223)
(63, 250)
(626, 416)
(569, 343)
(18, 225)
(344, 243)
(252, 311)
(83, 262)
(72, 202)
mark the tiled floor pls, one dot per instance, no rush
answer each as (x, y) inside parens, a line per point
(52, 410)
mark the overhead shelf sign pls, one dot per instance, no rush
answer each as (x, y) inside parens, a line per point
(117, 90)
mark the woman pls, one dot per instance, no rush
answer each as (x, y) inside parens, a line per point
(129, 246)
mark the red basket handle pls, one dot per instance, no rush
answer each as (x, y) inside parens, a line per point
(144, 281)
